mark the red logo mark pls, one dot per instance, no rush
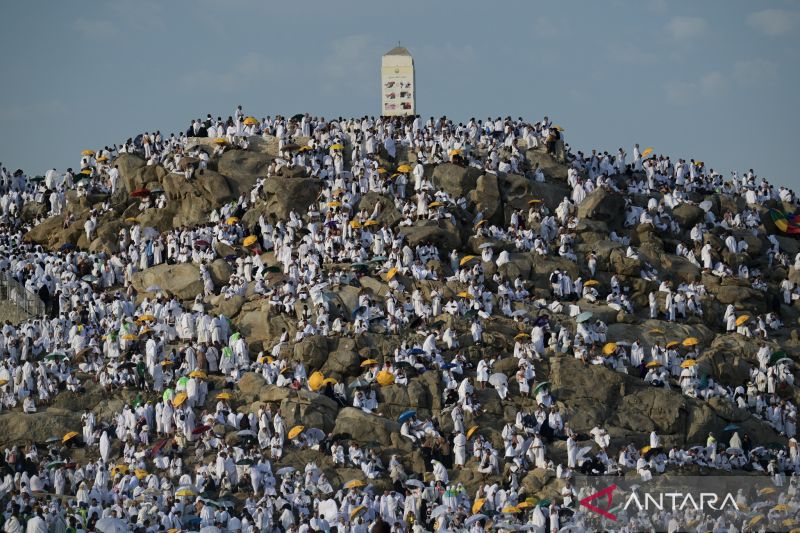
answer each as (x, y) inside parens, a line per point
(608, 493)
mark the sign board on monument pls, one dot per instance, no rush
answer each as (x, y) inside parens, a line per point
(397, 83)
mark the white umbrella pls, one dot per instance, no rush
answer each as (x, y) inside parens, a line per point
(415, 483)
(498, 379)
(474, 518)
(210, 529)
(315, 433)
(285, 470)
(439, 511)
(111, 525)
(486, 245)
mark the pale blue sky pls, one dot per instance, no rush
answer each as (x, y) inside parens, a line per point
(716, 81)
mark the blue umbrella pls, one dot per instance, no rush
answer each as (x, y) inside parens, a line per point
(731, 427)
(583, 317)
(67, 246)
(417, 351)
(406, 415)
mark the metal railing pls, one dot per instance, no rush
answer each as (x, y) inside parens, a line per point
(28, 303)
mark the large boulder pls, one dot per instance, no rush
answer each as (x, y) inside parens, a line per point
(365, 428)
(243, 168)
(455, 179)
(444, 235)
(181, 280)
(687, 215)
(486, 197)
(284, 195)
(603, 205)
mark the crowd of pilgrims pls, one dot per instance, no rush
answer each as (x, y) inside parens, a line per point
(160, 463)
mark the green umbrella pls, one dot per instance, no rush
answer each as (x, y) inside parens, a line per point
(183, 381)
(167, 394)
(540, 386)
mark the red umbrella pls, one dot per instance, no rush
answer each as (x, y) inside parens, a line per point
(140, 193)
(200, 429)
(201, 243)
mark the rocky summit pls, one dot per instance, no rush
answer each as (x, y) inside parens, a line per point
(287, 324)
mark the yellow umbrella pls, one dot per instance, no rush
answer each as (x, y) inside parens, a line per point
(435, 204)
(3, 382)
(645, 449)
(510, 509)
(355, 224)
(524, 505)
(140, 474)
(250, 121)
(69, 436)
(265, 358)
(766, 490)
(755, 520)
(87, 152)
(355, 512)
(315, 380)
(478, 505)
(689, 363)
(295, 431)
(231, 220)
(464, 294)
(466, 259)
(381, 170)
(119, 469)
(691, 341)
(146, 318)
(454, 151)
(384, 378)
(653, 364)
(591, 283)
(656, 331)
(391, 274)
(534, 201)
(334, 204)
(185, 493)
(166, 363)
(368, 362)
(354, 484)
(371, 223)
(781, 507)
(144, 330)
(480, 223)
(337, 146)
(471, 431)
(250, 240)
(557, 127)
(224, 396)
(404, 168)
(220, 141)
(86, 171)
(129, 337)
(647, 151)
(199, 374)
(742, 319)
(672, 344)
(180, 399)
(102, 159)
(520, 336)
(609, 348)
(130, 219)
(332, 381)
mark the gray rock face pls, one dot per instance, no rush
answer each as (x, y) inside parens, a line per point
(603, 206)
